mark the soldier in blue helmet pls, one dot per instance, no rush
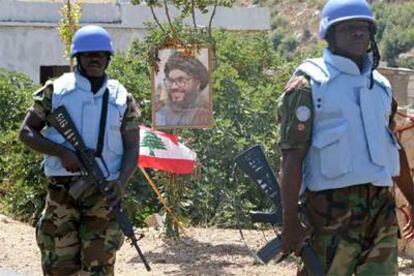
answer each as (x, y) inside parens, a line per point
(337, 146)
(79, 235)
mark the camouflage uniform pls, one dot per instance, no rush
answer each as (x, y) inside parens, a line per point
(354, 229)
(77, 236)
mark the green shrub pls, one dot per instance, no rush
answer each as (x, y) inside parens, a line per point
(15, 97)
(288, 45)
(22, 186)
(278, 21)
(407, 62)
(277, 38)
(20, 176)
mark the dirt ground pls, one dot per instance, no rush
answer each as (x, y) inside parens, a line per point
(203, 252)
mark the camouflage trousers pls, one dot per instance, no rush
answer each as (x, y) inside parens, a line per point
(355, 230)
(77, 237)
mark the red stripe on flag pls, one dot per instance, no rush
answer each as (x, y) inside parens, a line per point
(178, 166)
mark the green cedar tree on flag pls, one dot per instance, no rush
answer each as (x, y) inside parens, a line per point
(162, 151)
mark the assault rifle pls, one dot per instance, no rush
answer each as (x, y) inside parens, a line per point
(253, 162)
(62, 122)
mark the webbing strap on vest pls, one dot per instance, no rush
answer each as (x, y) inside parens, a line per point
(102, 124)
(371, 128)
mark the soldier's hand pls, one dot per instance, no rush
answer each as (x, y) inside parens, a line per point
(70, 161)
(293, 237)
(295, 83)
(114, 193)
(408, 228)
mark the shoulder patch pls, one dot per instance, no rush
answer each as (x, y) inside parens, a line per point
(303, 113)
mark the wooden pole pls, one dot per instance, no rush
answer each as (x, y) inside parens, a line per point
(162, 200)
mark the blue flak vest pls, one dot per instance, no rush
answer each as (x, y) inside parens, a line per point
(351, 141)
(74, 92)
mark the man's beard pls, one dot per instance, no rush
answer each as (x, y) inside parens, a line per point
(188, 101)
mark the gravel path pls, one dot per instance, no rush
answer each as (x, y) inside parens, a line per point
(205, 251)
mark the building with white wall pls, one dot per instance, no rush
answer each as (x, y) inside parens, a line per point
(29, 38)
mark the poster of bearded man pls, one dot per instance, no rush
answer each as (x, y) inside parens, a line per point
(181, 90)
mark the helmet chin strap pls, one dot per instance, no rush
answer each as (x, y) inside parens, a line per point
(374, 50)
(376, 57)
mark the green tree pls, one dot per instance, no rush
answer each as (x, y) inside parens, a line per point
(395, 30)
(187, 7)
(152, 141)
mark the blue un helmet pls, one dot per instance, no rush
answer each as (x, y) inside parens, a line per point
(91, 38)
(336, 11)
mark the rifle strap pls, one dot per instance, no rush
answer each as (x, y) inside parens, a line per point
(102, 124)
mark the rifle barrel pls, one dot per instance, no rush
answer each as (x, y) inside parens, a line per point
(144, 260)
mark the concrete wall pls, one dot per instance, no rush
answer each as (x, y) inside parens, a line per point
(29, 38)
(402, 81)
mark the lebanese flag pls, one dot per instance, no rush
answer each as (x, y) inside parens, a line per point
(162, 151)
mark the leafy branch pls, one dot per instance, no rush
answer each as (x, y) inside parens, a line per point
(186, 7)
(69, 23)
